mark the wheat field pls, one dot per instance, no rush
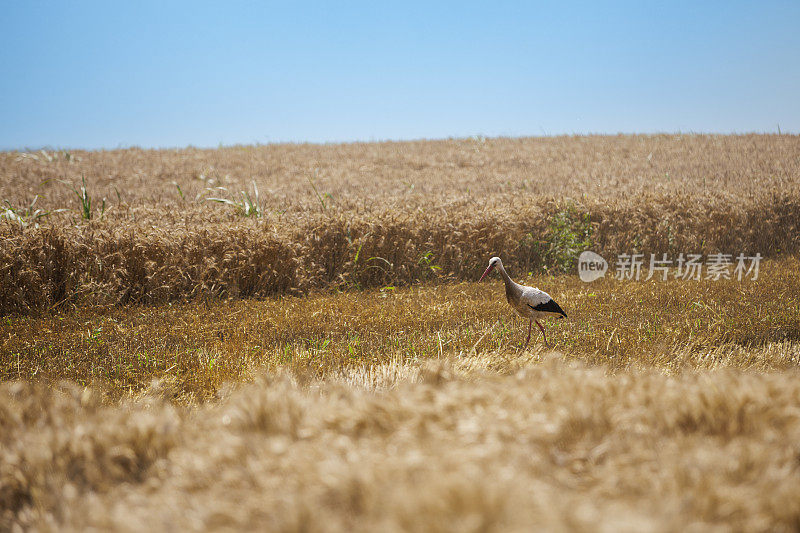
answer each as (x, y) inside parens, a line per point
(291, 337)
(372, 215)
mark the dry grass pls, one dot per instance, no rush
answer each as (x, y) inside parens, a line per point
(197, 346)
(378, 404)
(554, 446)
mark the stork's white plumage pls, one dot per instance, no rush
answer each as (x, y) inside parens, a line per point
(529, 302)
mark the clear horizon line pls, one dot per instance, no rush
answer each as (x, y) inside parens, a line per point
(222, 145)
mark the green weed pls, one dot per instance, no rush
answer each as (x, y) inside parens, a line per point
(24, 215)
(248, 206)
(85, 200)
(568, 234)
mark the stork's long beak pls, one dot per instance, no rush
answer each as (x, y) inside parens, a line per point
(489, 269)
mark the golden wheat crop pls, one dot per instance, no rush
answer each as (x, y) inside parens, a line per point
(370, 215)
(426, 174)
(554, 446)
(321, 358)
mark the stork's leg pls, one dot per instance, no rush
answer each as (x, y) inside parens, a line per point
(530, 324)
(543, 333)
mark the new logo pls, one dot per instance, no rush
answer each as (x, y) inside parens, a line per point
(591, 266)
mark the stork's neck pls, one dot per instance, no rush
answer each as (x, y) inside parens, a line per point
(505, 275)
(513, 291)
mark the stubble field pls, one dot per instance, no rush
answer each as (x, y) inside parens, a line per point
(322, 358)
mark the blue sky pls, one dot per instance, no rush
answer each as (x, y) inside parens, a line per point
(166, 74)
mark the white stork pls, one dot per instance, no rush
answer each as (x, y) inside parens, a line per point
(529, 302)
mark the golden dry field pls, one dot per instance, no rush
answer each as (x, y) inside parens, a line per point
(318, 356)
(372, 215)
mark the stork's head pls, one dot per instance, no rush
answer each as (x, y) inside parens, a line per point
(493, 262)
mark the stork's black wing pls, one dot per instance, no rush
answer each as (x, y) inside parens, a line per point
(550, 306)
